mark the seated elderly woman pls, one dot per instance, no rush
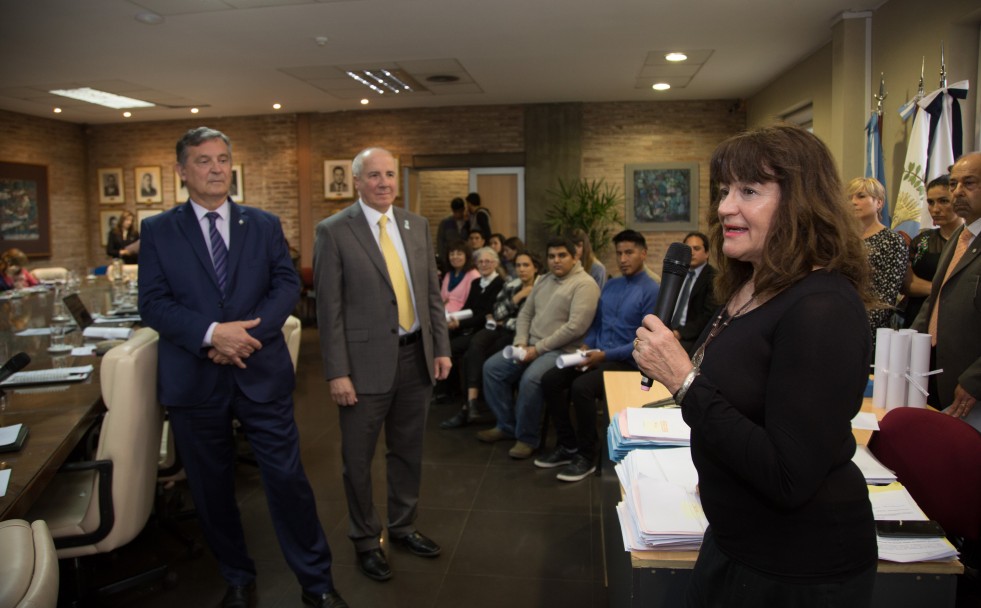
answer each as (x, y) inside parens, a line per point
(887, 250)
(15, 274)
(773, 384)
(480, 303)
(499, 332)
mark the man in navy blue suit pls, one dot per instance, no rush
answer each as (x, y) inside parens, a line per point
(217, 283)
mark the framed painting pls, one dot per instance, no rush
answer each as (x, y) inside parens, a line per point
(662, 197)
(147, 180)
(237, 189)
(110, 186)
(25, 212)
(107, 221)
(180, 189)
(337, 180)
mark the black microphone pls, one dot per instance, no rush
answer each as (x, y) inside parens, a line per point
(677, 261)
(14, 365)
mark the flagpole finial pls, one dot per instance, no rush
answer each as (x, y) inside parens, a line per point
(882, 93)
(920, 92)
(943, 68)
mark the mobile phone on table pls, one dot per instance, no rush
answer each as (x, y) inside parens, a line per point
(909, 528)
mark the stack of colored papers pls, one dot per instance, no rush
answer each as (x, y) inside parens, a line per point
(637, 427)
(661, 509)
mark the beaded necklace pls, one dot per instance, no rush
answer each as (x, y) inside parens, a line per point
(717, 326)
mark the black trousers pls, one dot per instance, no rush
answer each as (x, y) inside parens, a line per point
(718, 581)
(584, 389)
(482, 345)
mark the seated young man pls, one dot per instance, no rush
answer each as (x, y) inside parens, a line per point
(552, 322)
(623, 303)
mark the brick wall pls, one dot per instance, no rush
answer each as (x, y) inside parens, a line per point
(614, 134)
(60, 146)
(617, 134)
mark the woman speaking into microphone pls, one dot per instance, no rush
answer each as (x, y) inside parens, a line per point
(775, 381)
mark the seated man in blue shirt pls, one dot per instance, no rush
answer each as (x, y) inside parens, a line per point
(624, 302)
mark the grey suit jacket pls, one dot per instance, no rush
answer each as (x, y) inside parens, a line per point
(356, 308)
(959, 323)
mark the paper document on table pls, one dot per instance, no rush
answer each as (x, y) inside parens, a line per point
(893, 502)
(108, 333)
(660, 424)
(8, 434)
(905, 549)
(4, 480)
(667, 509)
(36, 331)
(670, 465)
(865, 421)
(873, 470)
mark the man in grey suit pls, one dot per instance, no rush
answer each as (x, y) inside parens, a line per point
(957, 334)
(384, 341)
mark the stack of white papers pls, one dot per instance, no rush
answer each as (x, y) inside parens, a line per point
(108, 333)
(893, 502)
(873, 470)
(661, 509)
(637, 427)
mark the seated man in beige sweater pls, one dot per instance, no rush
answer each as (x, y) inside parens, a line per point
(552, 322)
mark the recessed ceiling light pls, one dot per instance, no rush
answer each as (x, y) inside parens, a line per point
(57, 110)
(380, 80)
(321, 40)
(149, 18)
(676, 57)
(194, 110)
(365, 102)
(277, 106)
(661, 86)
(102, 98)
(127, 114)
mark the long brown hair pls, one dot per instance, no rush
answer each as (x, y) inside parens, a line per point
(134, 230)
(813, 226)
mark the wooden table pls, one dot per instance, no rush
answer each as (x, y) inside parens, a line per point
(57, 416)
(659, 578)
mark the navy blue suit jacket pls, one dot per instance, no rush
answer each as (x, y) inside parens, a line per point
(180, 298)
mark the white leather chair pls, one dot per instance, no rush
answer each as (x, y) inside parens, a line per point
(28, 566)
(292, 332)
(96, 506)
(52, 273)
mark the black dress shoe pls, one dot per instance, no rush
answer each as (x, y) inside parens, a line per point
(239, 596)
(460, 419)
(419, 545)
(331, 599)
(374, 565)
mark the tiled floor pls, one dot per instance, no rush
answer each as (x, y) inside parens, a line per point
(512, 535)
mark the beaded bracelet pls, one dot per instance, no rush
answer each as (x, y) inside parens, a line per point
(685, 385)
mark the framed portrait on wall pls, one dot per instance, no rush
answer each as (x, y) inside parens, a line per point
(110, 184)
(338, 184)
(661, 197)
(25, 211)
(148, 188)
(180, 189)
(107, 221)
(237, 190)
(142, 214)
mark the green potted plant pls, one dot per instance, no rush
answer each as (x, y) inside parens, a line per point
(594, 206)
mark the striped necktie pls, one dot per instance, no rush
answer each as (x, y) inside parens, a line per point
(219, 252)
(962, 242)
(396, 273)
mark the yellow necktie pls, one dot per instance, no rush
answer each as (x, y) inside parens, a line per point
(396, 273)
(959, 250)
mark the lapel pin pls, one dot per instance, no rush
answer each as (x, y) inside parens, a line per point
(241, 222)
(406, 224)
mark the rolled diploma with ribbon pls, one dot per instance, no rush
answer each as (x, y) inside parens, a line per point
(919, 365)
(460, 315)
(883, 337)
(899, 347)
